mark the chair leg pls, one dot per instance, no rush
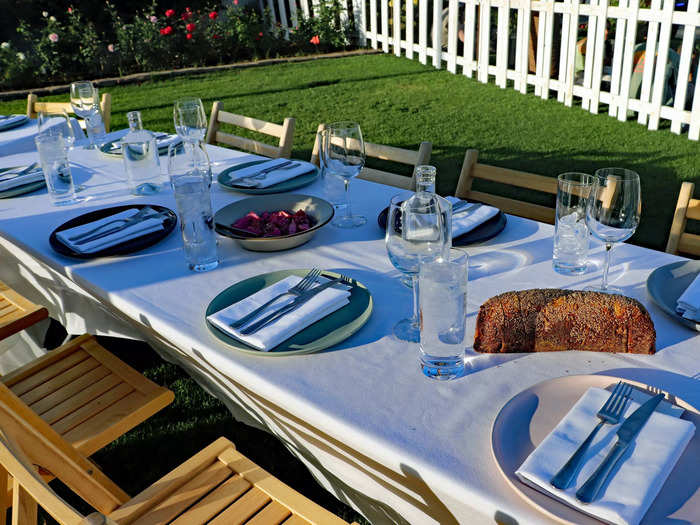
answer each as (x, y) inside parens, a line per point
(24, 508)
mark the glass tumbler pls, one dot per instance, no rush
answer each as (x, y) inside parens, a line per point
(442, 292)
(53, 157)
(193, 201)
(140, 154)
(570, 230)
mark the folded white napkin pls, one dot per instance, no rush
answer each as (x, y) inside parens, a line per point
(11, 121)
(137, 229)
(689, 301)
(272, 177)
(265, 339)
(164, 142)
(33, 176)
(466, 220)
(637, 478)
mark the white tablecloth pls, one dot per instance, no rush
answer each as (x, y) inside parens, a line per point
(21, 138)
(370, 427)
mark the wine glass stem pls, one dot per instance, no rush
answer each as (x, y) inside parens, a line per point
(348, 213)
(608, 260)
(414, 286)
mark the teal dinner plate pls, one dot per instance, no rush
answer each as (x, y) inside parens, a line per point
(287, 185)
(20, 190)
(666, 284)
(323, 334)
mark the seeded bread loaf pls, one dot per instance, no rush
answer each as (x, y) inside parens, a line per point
(546, 320)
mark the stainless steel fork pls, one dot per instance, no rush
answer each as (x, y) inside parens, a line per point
(303, 285)
(141, 214)
(609, 413)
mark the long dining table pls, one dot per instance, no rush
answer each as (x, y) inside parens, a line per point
(398, 447)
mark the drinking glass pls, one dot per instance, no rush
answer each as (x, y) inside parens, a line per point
(53, 158)
(412, 238)
(191, 186)
(612, 212)
(57, 123)
(345, 157)
(140, 154)
(190, 119)
(84, 99)
(443, 315)
(333, 189)
(570, 230)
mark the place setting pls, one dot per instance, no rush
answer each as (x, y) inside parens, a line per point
(19, 180)
(8, 122)
(289, 312)
(113, 231)
(268, 176)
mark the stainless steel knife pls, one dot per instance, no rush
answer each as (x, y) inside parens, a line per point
(625, 435)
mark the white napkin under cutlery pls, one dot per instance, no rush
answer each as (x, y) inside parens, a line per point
(271, 177)
(11, 120)
(639, 475)
(265, 339)
(689, 301)
(464, 221)
(34, 175)
(137, 229)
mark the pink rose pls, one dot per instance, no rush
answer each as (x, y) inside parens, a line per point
(153, 19)
(110, 48)
(53, 37)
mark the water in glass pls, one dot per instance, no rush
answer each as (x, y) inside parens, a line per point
(443, 311)
(570, 254)
(140, 154)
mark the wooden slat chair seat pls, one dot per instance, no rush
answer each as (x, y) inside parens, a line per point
(284, 131)
(34, 107)
(17, 312)
(680, 241)
(387, 153)
(217, 485)
(472, 170)
(87, 395)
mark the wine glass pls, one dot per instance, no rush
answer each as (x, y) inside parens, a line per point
(612, 212)
(413, 237)
(190, 119)
(344, 156)
(85, 103)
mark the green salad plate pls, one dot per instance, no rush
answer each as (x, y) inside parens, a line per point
(325, 333)
(224, 179)
(20, 190)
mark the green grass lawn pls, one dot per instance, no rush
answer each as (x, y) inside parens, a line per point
(401, 102)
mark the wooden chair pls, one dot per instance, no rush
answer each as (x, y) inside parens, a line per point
(34, 107)
(686, 208)
(217, 485)
(388, 153)
(284, 132)
(472, 170)
(16, 312)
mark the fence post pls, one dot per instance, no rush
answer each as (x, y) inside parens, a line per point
(524, 57)
(661, 61)
(396, 5)
(437, 33)
(409, 29)
(694, 131)
(423, 31)
(547, 49)
(484, 41)
(385, 26)
(452, 36)
(359, 6)
(373, 21)
(617, 61)
(628, 60)
(571, 54)
(502, 44)
(469, 36)
(283, 18)
(684, 70)
(599, 55)
(649, 58)
(590, 53)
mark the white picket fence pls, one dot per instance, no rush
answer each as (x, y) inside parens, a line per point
(482, 59)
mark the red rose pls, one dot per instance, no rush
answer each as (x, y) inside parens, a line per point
(169, 13)
(166, 30)
(260, 33)
(189, 36)
(213, 15)
(188, 9)
(215, 37)
(190, 27)
(315, 40)
(235, 2)
(184, 16)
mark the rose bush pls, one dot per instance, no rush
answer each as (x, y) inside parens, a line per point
(67, 46)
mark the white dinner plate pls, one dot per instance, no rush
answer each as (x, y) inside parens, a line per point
(666, 284)
(525, 420)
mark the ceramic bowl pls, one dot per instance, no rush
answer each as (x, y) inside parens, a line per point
(322, 211)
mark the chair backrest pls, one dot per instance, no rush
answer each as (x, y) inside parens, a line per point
(285, 133)
(34, 107)
(686, 208)
(17, 312)
(46, 449)
(388, 153)
(472, 170)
